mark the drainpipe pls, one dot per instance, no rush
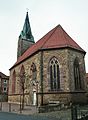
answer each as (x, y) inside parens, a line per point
(41, 76)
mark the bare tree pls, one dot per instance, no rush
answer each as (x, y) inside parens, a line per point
(22, 86)
(23, 82)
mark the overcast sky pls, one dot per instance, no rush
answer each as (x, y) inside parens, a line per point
(44, 15)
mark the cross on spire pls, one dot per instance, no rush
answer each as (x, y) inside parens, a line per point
(27, 9)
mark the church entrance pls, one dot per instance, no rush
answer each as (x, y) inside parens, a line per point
(34, 97)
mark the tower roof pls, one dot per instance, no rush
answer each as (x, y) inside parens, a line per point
(56, 38)
(26, 32)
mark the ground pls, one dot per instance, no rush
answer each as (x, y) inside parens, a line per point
(12, 111)
(14, 116)
(57, 115)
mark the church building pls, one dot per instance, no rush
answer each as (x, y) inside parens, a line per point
(52, 69)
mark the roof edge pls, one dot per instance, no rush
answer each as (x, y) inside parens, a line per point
(44, 49)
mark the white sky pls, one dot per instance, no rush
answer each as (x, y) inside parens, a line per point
(44, 15)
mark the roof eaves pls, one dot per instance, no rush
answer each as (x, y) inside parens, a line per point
(24, 59)
(62, 47)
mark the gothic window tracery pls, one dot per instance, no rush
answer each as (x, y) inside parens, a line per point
(33, 72)
(54, 74)
(77, 75)
(22, 78)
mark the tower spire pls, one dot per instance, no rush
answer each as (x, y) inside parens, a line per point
(26, 32)
(26, 38)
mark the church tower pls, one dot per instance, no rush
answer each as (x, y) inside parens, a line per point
(26, 38)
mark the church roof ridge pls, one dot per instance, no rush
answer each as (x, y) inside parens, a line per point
(56, 38)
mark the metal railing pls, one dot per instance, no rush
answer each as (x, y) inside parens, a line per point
(79, 112)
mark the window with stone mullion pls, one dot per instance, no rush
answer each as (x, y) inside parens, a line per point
(51, 78)
(79, 81)
(54, 75)
(58, 77)
(77, 75)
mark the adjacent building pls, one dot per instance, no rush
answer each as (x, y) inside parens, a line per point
(4, 82)
(52, 69)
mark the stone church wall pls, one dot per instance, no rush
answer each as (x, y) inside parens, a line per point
(67, 92)
(66, 59)
(27, 65)
(72, 55)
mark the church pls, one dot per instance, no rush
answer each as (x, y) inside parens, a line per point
(52, 69)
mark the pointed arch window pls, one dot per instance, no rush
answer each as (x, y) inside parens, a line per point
(54, 74)
(34, 72)
(22, 78)
(77, 79)
(13, 82)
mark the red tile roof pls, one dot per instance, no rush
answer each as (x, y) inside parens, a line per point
(56, 38)
(4, 76)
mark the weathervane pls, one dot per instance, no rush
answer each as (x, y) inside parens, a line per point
(27, 9)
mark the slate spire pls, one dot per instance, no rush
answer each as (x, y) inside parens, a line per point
(26, 38)
(26, 32)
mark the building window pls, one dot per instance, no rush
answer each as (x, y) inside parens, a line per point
(5, 81)
(22, 79)
(33, 72)
(77, 79)
(13, 82)
(5, 89)
(54, 74)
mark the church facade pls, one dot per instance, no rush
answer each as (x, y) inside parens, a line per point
(52, 69)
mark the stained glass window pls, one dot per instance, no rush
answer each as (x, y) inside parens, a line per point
(54, 74)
